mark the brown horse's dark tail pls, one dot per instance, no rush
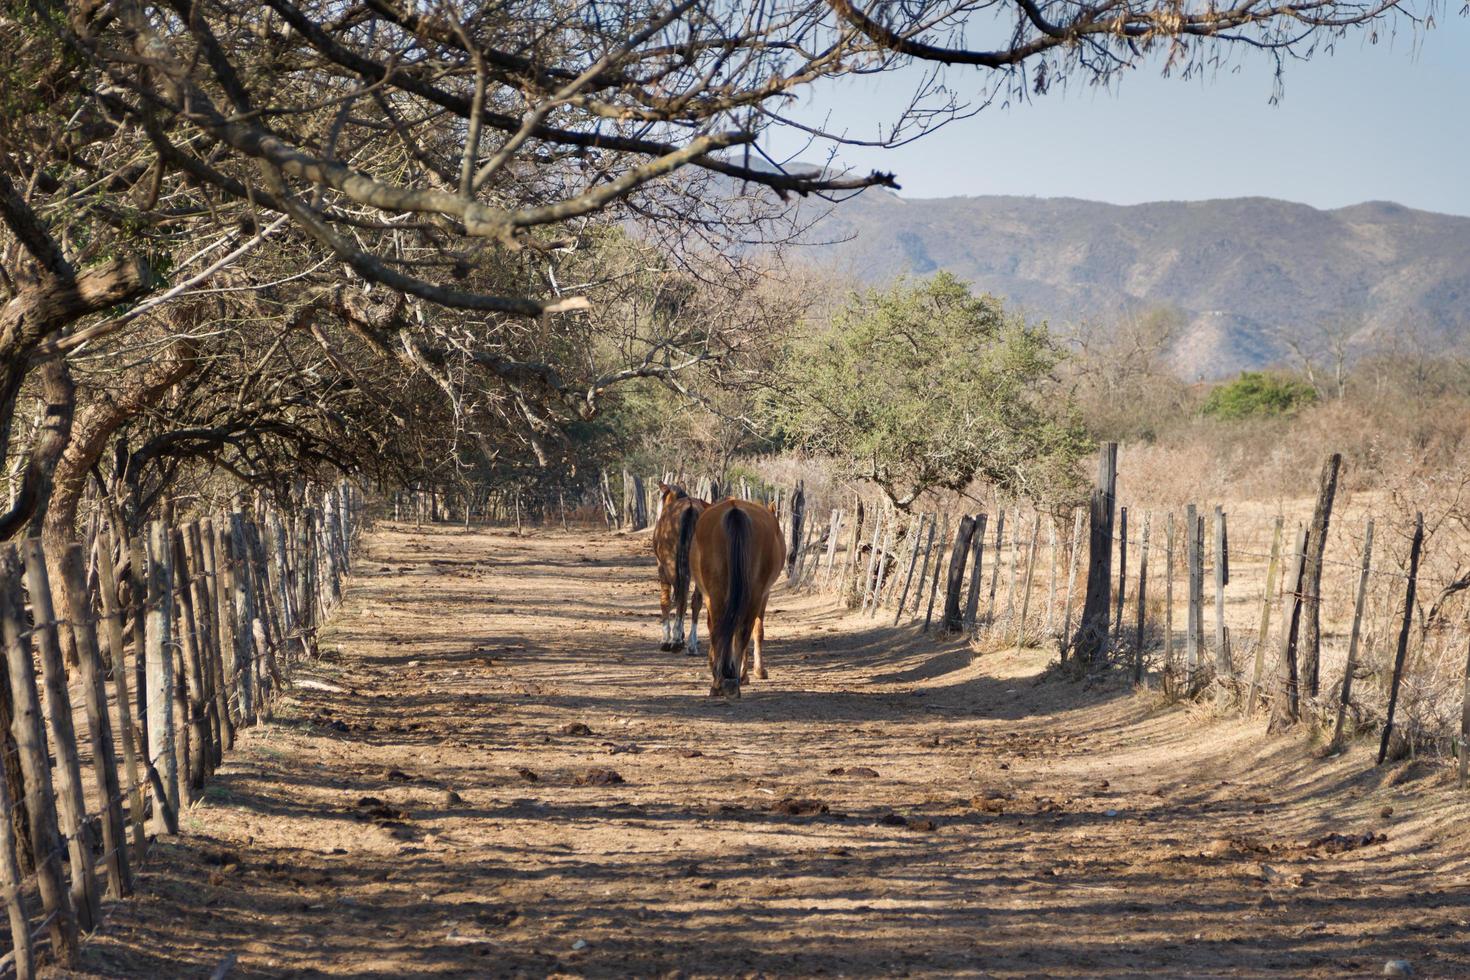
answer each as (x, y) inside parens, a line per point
(731, 632)
(687, 520)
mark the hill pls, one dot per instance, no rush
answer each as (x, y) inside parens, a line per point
(1247, 274)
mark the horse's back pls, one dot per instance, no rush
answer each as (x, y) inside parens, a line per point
(666, 530)
(711, 543)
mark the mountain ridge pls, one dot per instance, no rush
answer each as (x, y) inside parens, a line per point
(1251, 275)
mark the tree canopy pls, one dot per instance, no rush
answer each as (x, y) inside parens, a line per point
(248, 242)
(924, 386)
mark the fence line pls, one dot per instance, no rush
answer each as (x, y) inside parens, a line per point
(221, 609)
(870, 554)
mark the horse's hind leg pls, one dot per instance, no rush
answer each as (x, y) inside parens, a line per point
(676, 635)
(758, 641)
(666, 602)
(696, 600)
(746, 649)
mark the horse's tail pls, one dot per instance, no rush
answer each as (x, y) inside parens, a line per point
(687, 521)
(737, 591)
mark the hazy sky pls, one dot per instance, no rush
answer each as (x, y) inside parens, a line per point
(1371, 122)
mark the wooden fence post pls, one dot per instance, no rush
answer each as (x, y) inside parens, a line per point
(1051, 581)
(1065, 638)
(1224, 668)
(113, 622)
(204, 611)
(12, 882)
(999, 549)
(326, 527)
(1117, 640)
(1286, 710)
(798, 521)
(1030, 572)
(264, 627)
(1312, 576)
(1092, 633)
(70, 792)
(1352, 655)
(1465, 724)
(640, 504)
(281, 571)
(112, 619)
(138, 582)
(867, 582)
(30, 737)
(958, 556)
(306, 617)
(1403, 645)
(1169, 595)
(882, 555)
(811, 558)
(1142, 599)
(99, 726)
(888, 574)
(977, 568)
(1264, 632)
(924, 569)
(833, 533)
(217, 582)
(850, 560)
(938, 561)
(1194, 573)
(244, 615)
(191, 642)
(908, 579)
(1010, 606)
(161, 733)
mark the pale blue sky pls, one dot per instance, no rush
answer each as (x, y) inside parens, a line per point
(1371, 122)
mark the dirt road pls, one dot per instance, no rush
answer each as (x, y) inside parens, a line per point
(494, 771)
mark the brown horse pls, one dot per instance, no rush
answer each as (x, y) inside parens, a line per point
(672, 536)
(737, 556)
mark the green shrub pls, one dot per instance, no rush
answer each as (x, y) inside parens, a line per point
(1257, 395)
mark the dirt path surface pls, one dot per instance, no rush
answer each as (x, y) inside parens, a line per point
(494, 771)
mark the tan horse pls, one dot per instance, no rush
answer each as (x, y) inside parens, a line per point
(672, 536)
(737, 556)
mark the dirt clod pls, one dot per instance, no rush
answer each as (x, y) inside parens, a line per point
(792, 807)
(599, 777)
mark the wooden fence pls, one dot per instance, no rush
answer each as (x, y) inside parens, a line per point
(171, 642)
(1099, 586)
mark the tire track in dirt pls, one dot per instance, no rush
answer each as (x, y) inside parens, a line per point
(495, 771)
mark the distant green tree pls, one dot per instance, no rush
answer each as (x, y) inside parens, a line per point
(1256, 394)
(925, 386)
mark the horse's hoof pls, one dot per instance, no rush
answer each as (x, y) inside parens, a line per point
(666, 646)
(691, 651)
(762, 674)
(729, 687)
